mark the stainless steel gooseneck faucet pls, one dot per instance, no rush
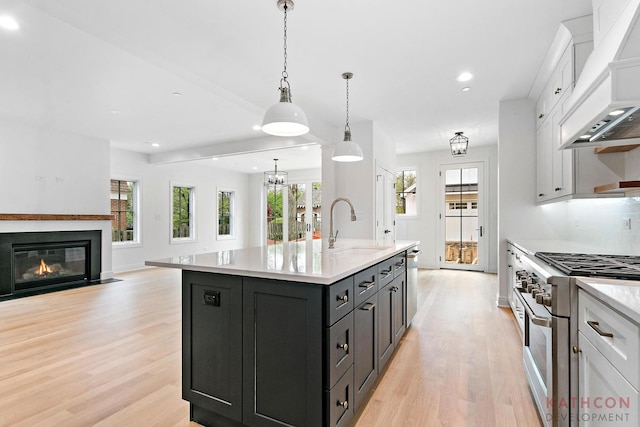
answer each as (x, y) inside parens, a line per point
(332, 238)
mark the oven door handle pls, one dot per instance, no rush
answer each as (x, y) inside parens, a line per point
(536, 320)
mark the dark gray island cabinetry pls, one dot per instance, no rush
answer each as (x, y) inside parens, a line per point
(265, 348)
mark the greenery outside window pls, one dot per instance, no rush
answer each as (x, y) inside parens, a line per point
(406, 202)
(225, 214)
(124, 211)
(182, 212)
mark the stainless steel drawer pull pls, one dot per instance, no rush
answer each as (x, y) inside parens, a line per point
(394, 289)
(343, 298)
(344, 404)
(367, 284)
(344, 346)
(368, 307)
(400, 264)
(596, 327)
(386, 272)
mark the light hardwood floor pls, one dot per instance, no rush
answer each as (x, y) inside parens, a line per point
(109, 355)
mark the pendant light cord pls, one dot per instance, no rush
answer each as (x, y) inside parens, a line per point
(284, 71)
(346, 127)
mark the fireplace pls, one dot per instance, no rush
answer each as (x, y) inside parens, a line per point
(45, 261)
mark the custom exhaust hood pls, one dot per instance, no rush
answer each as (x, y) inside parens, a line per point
(604, 107)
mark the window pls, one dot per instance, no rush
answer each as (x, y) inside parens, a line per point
(406, 192)
(124, 211)
(225, 214)
(183, 201)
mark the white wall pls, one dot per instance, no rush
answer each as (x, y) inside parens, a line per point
(356, 181)
(156, 182)
(424, 227)
(44, 171)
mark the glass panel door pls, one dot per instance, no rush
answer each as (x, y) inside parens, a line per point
(294, 212)
(462, 217)
(275, 214)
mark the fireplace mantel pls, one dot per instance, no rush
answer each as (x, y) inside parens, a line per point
(54, 217)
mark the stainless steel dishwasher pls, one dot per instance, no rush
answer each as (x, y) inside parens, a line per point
(412, 283)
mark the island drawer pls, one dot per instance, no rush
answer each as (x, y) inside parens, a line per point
(399, 264)
(338, 300)
(385, 272)
(339, 401)
(365, 284)
(339, 349)
(615, 336)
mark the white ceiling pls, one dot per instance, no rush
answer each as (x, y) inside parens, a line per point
(109, 69)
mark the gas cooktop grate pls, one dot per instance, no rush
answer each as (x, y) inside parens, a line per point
(611, 266)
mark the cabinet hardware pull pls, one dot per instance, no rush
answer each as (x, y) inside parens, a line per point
(576, 349)
(344, 404)
(400, 264)
(541, 195)
(367, 285)
(343, 298)
(541, 115)
(344, 346)
(394, 289)
(558, 188)
(558, 90)
(596, 327)
(368, 307)
(386, 272)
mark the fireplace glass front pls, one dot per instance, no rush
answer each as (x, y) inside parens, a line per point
(50, 263)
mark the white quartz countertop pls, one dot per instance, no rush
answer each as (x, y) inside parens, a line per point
(622, 295)
(309, 262)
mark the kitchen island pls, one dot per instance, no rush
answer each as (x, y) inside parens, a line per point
(289, 334)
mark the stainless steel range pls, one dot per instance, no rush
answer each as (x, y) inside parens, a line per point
(545, 286)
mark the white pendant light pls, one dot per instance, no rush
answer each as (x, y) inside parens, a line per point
(285, 118)
(347, 151)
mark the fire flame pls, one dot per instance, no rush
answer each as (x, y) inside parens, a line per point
(44, 268)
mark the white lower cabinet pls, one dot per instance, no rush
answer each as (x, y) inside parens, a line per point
(608, 366)
(606, 397)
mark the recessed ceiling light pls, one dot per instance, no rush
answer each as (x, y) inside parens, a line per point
(214, 158)
(115, 111)
(616, 112)
(155, 144)
(256, 127)
(464, 77)
(466, 89)
(304, 147)
(255, 168)
(9, 23)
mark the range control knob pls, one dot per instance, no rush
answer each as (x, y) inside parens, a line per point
(536, 292)
(546, 300)
(531, 287)
(540, 297)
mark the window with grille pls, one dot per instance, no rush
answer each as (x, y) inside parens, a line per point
(225, 214)
(124, 211)
(183, 200)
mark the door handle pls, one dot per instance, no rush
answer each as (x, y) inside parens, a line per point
(481, 231)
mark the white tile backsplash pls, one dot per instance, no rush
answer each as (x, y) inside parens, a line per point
(601, 222)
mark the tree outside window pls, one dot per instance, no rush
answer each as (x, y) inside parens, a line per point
(406, 183)
(225, 213)
(182, 212)
(124, 211)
